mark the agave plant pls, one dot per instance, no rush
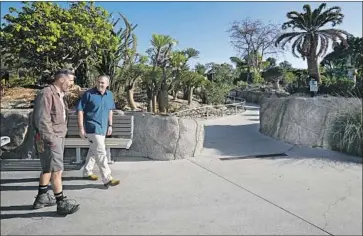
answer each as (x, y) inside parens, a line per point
(312, 42)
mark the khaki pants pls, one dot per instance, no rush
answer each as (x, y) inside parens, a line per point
(97, 155)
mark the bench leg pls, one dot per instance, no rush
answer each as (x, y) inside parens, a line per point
(78, 155)
(109, 155)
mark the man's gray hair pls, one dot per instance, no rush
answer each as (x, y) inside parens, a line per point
(106, 77)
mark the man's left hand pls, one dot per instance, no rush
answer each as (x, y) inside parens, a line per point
(109, 130)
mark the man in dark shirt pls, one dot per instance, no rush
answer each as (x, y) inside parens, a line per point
(94, 122)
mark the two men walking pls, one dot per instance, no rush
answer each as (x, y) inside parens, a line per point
(50, 122)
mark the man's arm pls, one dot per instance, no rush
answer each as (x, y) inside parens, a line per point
(80, 114)
(110, 116)
(42, 116)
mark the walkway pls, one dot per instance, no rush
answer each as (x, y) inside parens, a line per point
(307, 192)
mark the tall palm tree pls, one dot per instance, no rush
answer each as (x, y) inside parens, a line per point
(312, 41)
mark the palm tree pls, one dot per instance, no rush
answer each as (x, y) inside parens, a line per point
(312, 41)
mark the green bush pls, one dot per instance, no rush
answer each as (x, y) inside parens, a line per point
(337, 86)
(257, 78)
(214, 93)
(346, 131)
(242, 85)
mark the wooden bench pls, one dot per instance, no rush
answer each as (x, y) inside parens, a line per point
(122, 135)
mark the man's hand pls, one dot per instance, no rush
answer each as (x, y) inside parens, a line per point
(109, 130)
(82, 133)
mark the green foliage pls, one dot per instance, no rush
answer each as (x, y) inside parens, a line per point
(257, 78)
(337, 86)
(346, 131)
(289, 77)
(46, 36)
(215, 93)
(221, 73)
(242, 85)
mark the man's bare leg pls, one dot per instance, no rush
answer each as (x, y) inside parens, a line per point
(57, 185)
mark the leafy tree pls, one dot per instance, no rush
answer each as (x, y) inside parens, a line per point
(312, 41)
(335, 63)
(47, 36)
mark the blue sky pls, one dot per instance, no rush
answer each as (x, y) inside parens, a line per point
(203, 25)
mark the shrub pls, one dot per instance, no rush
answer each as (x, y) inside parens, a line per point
(346, 131)
(214, 93)
(242, 85)
(337, 86)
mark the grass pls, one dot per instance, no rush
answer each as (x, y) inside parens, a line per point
(347, 130)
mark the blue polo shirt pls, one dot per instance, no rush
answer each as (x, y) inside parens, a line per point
(96, 108)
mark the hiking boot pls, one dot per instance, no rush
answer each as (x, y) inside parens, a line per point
(92, 177)
(66, 206)
(44, 200)
(112, 183)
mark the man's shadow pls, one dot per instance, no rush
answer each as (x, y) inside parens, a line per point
(27, 180)
(65, 187)
(35, 215)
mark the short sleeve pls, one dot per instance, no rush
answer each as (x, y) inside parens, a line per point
(112, 102)
(82, 102)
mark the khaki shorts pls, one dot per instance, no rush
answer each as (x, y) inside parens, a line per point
(51, 157)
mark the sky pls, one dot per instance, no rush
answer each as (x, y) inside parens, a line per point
(204, 25)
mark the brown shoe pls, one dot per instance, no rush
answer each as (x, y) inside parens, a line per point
(112, 183)
(92, 177)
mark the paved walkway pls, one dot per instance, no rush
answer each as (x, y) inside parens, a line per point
(308, 192)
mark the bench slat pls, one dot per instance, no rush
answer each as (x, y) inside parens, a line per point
(114, 142)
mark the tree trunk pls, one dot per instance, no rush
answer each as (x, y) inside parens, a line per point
(185, 94)
(190, 95)
(130, 97)
(149, 93)
(163, 100)
(277, 84)
(175, 94)
(313, 68)
(154, 101)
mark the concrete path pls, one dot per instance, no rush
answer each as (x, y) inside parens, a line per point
(308, 192)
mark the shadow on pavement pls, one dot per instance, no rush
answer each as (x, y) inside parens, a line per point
(34, 215)
(16, 208)
(65, 187)
(28, 180)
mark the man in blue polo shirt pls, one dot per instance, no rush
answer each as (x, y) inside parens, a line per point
(94, 122)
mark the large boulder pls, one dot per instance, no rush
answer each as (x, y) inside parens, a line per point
(17, 124)
(302, 120)
(155, 137)
(160, 138)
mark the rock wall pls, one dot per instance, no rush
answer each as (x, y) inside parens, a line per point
(155, 137)
(305, 121)
(258, 96)
(17, 124)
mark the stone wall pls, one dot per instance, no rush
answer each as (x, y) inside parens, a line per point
(305, 121)
(155, 137)
(255, 96)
